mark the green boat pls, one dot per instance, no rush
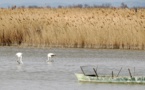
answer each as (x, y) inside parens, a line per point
(110, 78)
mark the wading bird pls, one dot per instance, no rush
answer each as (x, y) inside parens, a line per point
(50, 55)
(19, 60)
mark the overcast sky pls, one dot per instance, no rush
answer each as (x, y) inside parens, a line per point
(131, 3)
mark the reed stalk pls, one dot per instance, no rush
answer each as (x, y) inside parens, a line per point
(73, 27)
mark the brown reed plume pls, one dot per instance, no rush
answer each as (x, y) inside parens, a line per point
(73, 27)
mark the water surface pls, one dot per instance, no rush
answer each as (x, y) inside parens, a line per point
(36, 74)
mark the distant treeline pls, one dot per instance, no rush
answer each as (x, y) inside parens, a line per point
(105, 5)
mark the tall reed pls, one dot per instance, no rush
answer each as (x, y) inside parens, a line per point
(73, 27)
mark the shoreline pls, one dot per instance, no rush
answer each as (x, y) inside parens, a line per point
(68, 47)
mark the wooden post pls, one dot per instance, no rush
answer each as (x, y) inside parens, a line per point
(82, 70)
(130, 73)
(119, 72)
(95, 72)
(112, 75)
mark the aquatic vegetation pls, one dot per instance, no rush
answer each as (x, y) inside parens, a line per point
(73, 27)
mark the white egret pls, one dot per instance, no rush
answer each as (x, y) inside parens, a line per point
(19, 60)
(50, 55)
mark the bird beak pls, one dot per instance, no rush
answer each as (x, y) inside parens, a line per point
(53, 55)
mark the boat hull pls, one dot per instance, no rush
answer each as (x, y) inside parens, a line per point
(109, 79)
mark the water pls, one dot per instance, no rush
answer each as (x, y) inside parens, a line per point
(36, 74)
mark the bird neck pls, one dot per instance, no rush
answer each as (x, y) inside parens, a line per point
(20, 59)
(49, 58)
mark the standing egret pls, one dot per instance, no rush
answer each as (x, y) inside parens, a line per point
(50, 55)
(19, 60)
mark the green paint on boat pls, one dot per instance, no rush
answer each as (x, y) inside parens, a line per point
(110, 79)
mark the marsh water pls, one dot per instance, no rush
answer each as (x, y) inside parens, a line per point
(36, 74)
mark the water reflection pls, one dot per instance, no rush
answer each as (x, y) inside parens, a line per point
(19, 67)
(49, 63)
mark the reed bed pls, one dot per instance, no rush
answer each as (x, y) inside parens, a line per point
(109, 28)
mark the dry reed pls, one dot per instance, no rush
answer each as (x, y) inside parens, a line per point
(73, 27)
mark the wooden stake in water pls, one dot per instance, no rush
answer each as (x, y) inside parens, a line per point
(130, 73)
(82, 70)
(119, 72)
(95, 72)
(112, 75)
